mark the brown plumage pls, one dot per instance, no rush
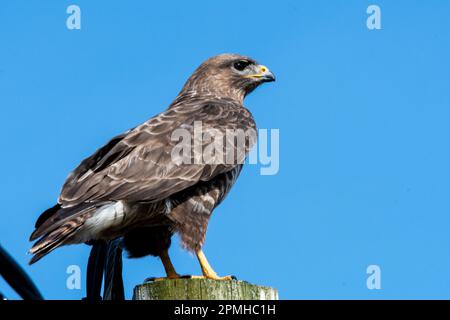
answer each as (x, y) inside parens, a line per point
(132, 187)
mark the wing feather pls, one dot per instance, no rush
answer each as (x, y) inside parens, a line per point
(137, 166)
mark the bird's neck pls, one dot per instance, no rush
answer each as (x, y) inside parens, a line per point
(213, 86)
(206, 94)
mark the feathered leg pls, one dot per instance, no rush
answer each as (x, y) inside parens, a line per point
(207, 270)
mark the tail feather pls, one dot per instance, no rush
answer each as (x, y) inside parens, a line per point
(58, 228)
(57, 216)
(53, 240)
(47, 214)
(58, 225)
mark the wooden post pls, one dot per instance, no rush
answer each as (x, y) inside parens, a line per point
(203, 289)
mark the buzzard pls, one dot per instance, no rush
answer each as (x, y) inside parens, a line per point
(134, 190)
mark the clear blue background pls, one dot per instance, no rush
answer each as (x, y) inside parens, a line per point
(364, 127)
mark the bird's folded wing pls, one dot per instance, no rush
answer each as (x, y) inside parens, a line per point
(139, 165)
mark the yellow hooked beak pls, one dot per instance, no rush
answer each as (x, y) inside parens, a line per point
(262, 73)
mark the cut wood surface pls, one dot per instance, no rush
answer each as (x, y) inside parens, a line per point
(203, 289)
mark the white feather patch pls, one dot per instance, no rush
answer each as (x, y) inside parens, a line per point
(106, 217)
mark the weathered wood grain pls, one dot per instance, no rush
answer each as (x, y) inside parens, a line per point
(203, 289)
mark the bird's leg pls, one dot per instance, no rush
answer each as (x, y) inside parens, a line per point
(207, 270)
(168, 266)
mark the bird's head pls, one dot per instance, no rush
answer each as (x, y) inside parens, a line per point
(229, 76)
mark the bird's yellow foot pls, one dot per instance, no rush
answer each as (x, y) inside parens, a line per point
(208, 272)
(214, 277)
(168, 267)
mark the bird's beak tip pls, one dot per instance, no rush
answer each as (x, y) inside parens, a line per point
(269, 77)
(266, 75)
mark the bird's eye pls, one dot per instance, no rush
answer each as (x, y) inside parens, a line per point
(241, 65)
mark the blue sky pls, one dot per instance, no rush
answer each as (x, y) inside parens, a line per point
(364, 134)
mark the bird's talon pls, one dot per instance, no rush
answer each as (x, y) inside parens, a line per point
(215, 277)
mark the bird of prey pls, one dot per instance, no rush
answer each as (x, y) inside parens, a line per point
(132, 189)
